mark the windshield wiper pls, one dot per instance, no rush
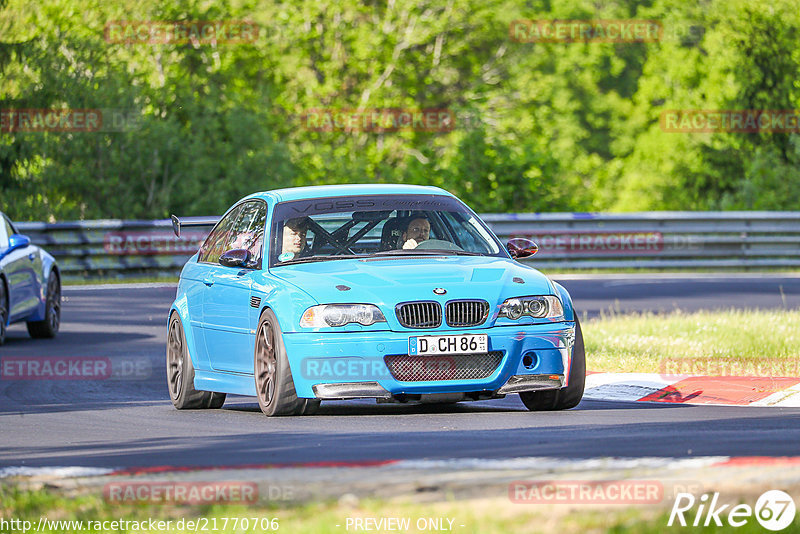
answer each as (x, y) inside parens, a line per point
(407, 252)
(425, 252)
(312, 259)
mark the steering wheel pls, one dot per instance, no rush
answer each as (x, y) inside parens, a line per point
(438, 244)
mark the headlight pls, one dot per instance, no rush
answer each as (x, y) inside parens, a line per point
(546, 306)
(326, 315)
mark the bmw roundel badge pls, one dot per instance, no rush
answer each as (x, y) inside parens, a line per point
(440, 291)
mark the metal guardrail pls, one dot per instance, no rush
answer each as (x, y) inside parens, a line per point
(671, 240)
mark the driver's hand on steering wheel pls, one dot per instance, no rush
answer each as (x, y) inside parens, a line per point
(411, 243)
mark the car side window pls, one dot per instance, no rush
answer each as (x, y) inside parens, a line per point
(248, 231)
(214, 245)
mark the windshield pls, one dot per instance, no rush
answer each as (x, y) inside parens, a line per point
(325, 229)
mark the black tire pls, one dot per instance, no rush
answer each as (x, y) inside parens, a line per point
(3, 311)
(570, 396)
(180, 373)
(274, 384)
(48, 328)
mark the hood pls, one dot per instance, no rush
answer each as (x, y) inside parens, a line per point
(389, 281)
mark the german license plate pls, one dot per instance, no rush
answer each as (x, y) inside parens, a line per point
(461, 344)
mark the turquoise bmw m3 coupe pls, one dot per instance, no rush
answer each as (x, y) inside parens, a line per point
(394, 292)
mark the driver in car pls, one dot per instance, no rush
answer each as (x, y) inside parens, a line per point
(294, 238)
(418, 230)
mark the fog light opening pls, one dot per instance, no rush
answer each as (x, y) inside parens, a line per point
(530, 360)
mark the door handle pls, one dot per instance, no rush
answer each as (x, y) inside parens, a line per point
(208, 281)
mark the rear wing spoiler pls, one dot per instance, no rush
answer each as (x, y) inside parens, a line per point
(191, 221)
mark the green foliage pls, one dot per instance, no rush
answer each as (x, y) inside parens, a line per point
(539, 126)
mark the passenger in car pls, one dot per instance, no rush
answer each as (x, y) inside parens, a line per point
(294, 238)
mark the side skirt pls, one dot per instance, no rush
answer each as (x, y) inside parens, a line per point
(220, 382)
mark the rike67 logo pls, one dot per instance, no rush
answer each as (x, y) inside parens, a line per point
(775, 510)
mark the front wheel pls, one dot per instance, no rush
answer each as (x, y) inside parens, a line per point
(48, 328)
(274, 383)
(180, 373)
(570, 396)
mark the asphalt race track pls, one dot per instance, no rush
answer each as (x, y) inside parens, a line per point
(127, 420)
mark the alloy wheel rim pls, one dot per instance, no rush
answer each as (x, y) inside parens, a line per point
(3, 312)
(54, 305)
(2, 320)
(175, 358)
(266, 363)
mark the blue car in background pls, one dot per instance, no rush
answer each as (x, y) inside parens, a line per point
(30, 285)
(393, 292)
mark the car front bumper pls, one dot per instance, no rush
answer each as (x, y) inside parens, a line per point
(340, 365)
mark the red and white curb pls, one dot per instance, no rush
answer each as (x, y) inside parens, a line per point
(686, 389)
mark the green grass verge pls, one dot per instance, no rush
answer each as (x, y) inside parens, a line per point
(733, 342)
(490, 515)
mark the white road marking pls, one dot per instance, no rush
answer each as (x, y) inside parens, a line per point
(55, 472)
(626, 386)
(560, 464)
(788, 398)
(512, 464)
(149, 285)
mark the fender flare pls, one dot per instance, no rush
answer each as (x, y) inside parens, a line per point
(181, 307)
(566, 301)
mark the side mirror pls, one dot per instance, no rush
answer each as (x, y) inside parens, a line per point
(237, 257)
(521, 248)
(18, 241)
